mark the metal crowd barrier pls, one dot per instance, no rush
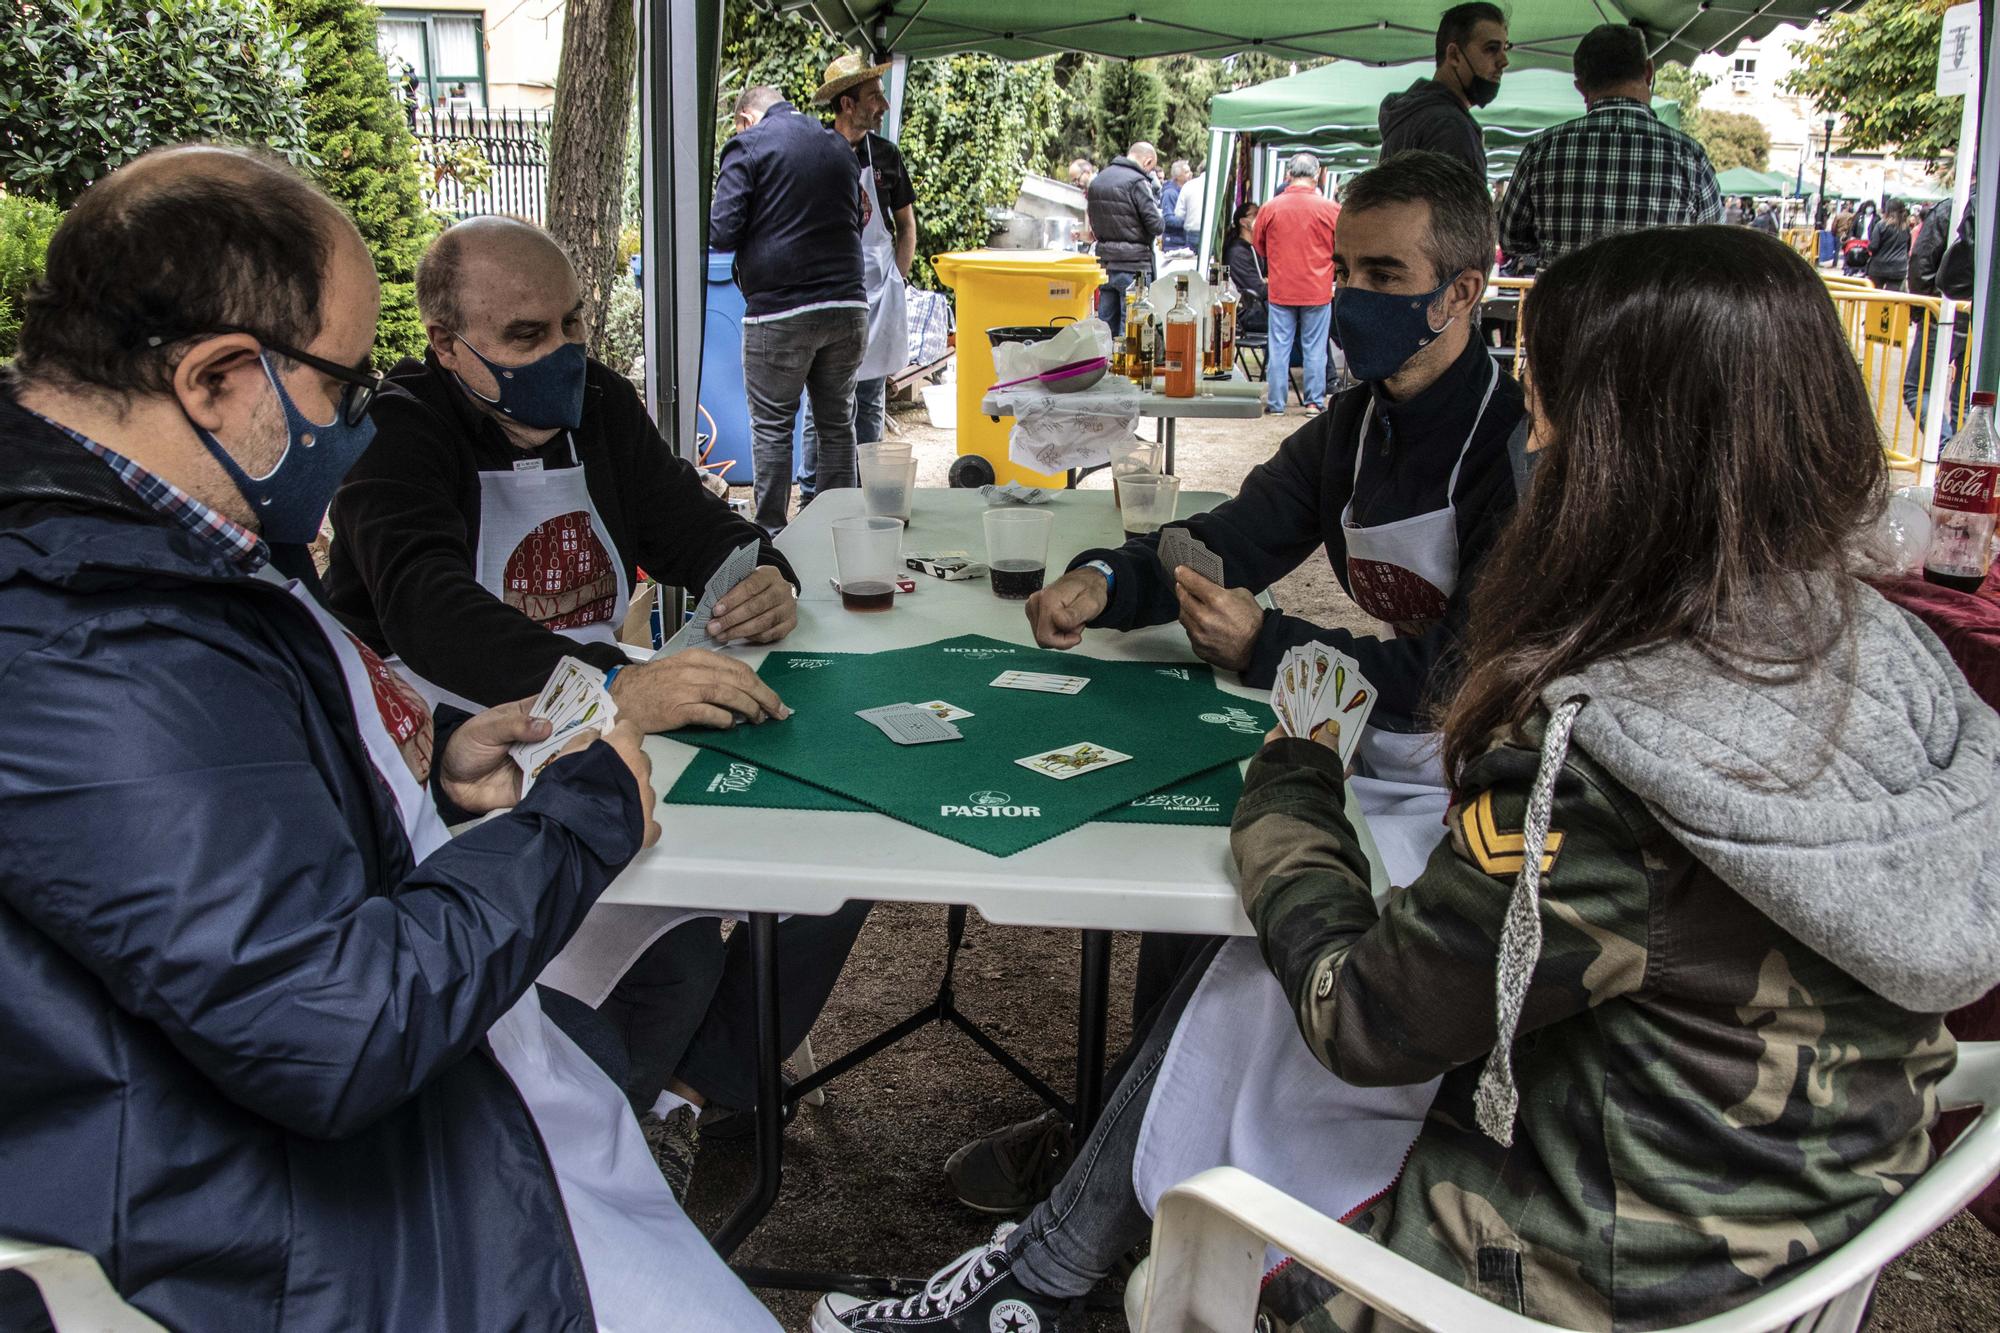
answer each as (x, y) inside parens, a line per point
(1888, 332)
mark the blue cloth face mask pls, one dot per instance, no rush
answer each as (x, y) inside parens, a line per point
(1379, 331)
(546, 393)
(291, 499)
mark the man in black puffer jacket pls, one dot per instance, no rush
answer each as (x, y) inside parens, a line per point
(1125, 216)
(1940, 265)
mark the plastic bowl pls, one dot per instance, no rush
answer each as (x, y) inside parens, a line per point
(1075, 377)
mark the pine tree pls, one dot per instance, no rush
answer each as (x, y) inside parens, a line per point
(1131, 107)
(366, 155)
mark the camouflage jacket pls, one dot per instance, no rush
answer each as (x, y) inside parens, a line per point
(1706, 1104)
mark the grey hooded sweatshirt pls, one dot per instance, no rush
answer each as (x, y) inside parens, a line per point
(1429, 115)
(1854, 805)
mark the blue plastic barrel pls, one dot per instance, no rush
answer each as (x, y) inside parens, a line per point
(722, 395)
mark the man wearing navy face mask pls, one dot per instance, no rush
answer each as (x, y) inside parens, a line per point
(270, 1046)
(513, 491)
(1404, 483)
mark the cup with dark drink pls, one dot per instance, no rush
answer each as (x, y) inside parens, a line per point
(1017, 551)
(1146, 501)
(868, 552)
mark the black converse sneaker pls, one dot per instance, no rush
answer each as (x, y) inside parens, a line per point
(975, 1293)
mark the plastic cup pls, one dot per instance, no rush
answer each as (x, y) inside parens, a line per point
(1129, 457)
(888, 485)
(1017, 550)
(1147, 501)
(866, 552)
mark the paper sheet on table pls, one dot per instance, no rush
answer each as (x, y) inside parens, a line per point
(1050, 439)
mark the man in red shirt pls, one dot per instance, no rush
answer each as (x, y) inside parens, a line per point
(1294, 233)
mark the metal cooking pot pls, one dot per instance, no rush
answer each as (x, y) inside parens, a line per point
(1026, 333)
(1013, 231)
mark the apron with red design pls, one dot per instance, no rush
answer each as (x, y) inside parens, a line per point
(645, 1263)
(1404, 573)
(544, 551)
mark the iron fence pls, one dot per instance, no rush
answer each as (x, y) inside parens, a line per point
(477, 161)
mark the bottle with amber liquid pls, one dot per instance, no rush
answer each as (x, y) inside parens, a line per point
(1227, 302)
(1183, 344)
(1138, 337)
(1211, 344)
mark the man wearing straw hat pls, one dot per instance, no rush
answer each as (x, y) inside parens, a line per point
(853, 89)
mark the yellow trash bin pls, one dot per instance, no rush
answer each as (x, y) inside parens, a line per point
(997, 288)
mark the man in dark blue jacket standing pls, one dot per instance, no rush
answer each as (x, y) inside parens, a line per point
(270, 1048)
(788, 202)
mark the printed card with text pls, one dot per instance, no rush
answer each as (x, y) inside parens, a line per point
(1074, 760)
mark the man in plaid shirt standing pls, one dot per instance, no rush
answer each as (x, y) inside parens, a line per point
(1615, 169)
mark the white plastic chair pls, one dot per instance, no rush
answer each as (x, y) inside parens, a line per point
(1211, 1230)
(74, 1288)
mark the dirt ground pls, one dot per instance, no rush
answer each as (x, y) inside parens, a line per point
(864, 1184)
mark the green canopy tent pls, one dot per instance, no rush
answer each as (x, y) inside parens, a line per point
(1756, 184)
(1331, 110)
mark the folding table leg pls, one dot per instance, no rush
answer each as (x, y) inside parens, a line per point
(1168, 464)
(1093, 998)
(770, 1113)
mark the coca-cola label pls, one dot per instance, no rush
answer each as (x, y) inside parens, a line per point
(1969, 488)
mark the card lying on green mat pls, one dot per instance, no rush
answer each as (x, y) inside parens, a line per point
(716, 779)
(1127, 730)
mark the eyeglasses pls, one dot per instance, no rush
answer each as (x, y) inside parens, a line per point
(360, 385)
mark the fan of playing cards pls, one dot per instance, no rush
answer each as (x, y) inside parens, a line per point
(573, 700)
(1179, 547)
(1317, 685)
(740, 565)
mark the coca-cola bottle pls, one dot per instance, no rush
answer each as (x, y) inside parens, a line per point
(1964, 499)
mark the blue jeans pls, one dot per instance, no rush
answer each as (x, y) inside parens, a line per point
(1308, 324)
(1111, 297)
(869, 398)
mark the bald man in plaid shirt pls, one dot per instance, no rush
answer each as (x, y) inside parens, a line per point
(1615, 169)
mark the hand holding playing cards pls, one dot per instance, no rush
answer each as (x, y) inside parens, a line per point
(762, 608)
(694, 688)
(1059, 612)
(477, 772)
(1222, 623)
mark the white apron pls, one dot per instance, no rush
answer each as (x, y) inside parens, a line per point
(888, 349)
(646, 1264)
(1404, 573)
(544, 551)
(1237, 1086)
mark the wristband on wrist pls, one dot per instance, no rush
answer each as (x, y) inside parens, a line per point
(612, 675)
(1110, 579)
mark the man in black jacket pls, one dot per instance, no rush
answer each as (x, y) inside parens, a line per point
(481, 539)
(1889, 265)
(1124, 207)
(1940, 265)
(1404, 483)
(270, 1045)
(788, 202)
(1436, 113)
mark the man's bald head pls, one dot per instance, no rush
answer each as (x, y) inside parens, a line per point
(177, 243)
(1144, 154)
(466, 254)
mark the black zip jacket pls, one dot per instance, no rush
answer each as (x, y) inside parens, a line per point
(406, 526)
(1290, 507)
(1124, 216)
(788, 202)
(1429, 115)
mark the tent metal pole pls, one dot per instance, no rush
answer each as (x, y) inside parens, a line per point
(672, 169)
(1220, 143)
(1984, 352)
(1968, 149)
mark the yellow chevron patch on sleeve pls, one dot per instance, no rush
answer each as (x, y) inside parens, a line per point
(1501, 854)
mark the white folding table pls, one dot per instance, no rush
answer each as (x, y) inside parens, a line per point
(1097, 878)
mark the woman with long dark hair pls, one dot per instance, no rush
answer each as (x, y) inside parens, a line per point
(1246, 270)
(1724, 844)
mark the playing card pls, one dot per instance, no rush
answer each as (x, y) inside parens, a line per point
(907, 725)
(740, 565)
(1316, 684)
(945, 712)
(566, 688)
(1043, 681)
(1072, 760)
(573, 699)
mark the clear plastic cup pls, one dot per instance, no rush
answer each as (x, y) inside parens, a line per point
(1129, 457)
(1017, 550)
(1147, 501)
(888, 486)
(867, 552)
